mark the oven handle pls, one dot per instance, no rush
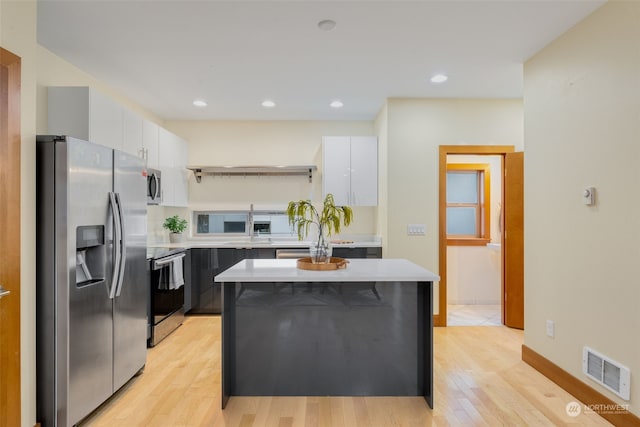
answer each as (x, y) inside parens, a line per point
(157, 264)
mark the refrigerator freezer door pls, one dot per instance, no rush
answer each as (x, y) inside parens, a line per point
(90, 326)
(130, 303)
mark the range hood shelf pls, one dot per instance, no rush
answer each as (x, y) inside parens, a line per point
(200, 171)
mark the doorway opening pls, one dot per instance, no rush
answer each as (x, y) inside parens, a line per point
(474, 250)
(481, 277)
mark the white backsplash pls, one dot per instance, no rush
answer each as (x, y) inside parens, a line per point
(155, 218)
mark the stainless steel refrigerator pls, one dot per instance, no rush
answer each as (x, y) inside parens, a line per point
(91, 288)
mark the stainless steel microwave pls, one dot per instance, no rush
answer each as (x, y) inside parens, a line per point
(154, 186)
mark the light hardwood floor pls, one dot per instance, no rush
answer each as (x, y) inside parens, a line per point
(480, 380)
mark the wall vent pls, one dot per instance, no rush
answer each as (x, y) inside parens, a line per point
(606, 372)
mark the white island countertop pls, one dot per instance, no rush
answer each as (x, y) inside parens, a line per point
(358, 270)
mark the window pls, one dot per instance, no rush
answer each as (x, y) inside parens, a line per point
(468, 204)
(238, 223)
(221, 222)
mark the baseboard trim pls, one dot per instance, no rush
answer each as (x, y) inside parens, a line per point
(436, 320)
(593, 399)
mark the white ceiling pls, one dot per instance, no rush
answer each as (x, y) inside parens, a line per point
(234, 54)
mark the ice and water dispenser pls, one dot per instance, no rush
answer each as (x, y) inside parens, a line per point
(90, 255)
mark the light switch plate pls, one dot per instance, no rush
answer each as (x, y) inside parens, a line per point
(551, 328)
(416, 229)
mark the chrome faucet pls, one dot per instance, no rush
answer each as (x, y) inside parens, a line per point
(251, 222)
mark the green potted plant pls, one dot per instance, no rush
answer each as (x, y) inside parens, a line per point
(176, 226)
(302, 214)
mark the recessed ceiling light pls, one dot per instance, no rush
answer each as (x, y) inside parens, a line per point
(327, 24)
(200, 103)
(267, 103)
(336, 104)
(439, 78)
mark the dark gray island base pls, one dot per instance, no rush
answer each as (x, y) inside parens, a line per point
(363, 331)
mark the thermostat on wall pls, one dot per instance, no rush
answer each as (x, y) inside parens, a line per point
(589, 196)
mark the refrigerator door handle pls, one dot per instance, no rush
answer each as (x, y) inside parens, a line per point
(123, 250)
(117, 231)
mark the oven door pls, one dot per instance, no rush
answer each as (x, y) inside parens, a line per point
(154, 187)
(166, 300)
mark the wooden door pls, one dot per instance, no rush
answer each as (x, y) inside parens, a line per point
(9, 239)
(513, 241)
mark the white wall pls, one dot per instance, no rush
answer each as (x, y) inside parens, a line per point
(264, 143)
(582, 128)
(416, 128)
(382, 130)
(18, 35)
(474, 272)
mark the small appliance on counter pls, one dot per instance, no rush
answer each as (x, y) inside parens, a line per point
(166, 297)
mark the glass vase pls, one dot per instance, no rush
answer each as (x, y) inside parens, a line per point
(320, 250)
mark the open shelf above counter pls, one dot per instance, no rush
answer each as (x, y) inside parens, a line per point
(305, 170)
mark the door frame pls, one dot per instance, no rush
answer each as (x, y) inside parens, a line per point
(10, 377)
(440, 319)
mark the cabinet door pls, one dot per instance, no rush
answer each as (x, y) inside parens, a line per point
(166, 149)
(181, 152)
(350, 252)
(364, 171)
(105, 121)
(202, 292)
(132, 133)
(261, 253)
(68, 111)
(181, 187)
(150, 143)
(335, 168)
(169, 178)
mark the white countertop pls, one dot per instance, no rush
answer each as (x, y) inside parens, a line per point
(358, 270)
(188, 244)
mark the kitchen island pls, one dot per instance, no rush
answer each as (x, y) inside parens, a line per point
(366, 330)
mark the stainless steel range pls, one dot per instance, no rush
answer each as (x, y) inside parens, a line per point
(166, 292)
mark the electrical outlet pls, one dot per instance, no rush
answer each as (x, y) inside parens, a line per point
(551, 328)
(416, 229)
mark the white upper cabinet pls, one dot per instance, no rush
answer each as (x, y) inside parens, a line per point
(150, 146)
(350, 169)
(172, 160)
(85, 113)
(132, 133)
(336, 165)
